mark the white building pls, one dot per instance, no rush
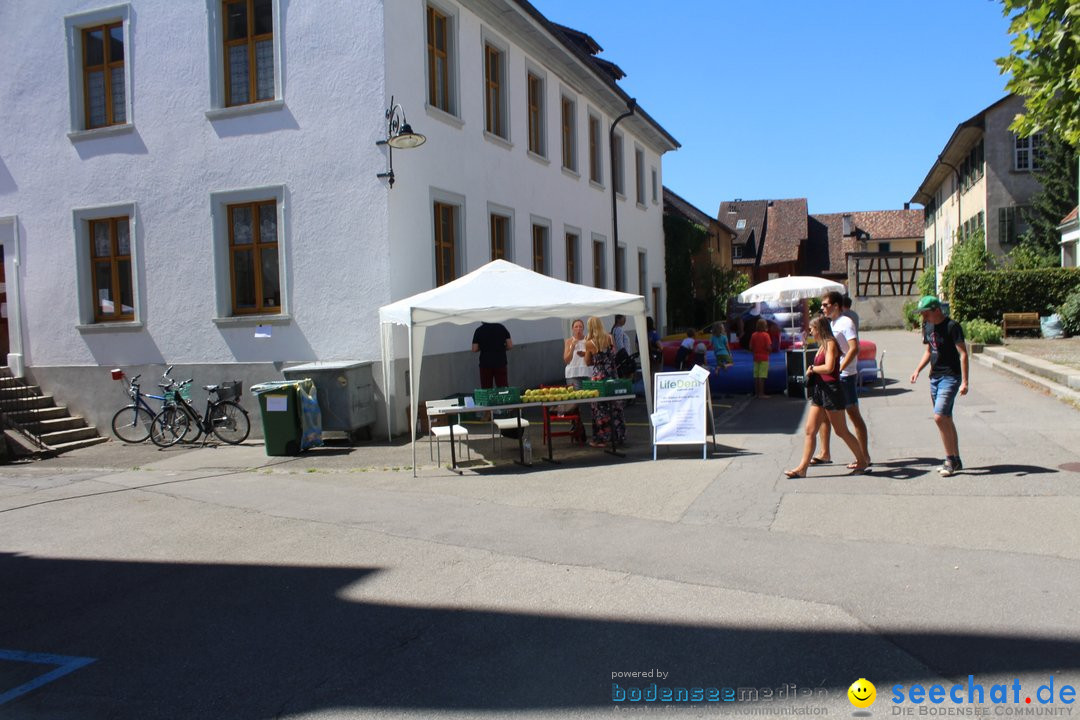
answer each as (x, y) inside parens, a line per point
(160, 201)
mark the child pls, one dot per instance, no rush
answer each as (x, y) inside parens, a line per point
(721, 347)
(686, 349)
(760, 345)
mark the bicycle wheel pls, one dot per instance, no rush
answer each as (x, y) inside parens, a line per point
(169, 426)
(132, 424)
(230, 422)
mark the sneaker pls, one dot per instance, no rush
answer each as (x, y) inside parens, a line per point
(951, 466)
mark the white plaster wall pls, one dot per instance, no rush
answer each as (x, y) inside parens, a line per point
(458, 159)
(320, 146)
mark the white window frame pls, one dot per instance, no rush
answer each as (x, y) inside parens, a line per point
(453, 116)
(539, 74)
(219, 219)
(565, 95)
(218, 108)
(73, 27)
(536, 221)
(1027, 145)
(505, 102)
(571, 230)
(506, 212)
(84, 283)
(446, 197)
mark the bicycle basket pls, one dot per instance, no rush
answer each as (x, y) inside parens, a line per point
(185, 392)
(230, 390)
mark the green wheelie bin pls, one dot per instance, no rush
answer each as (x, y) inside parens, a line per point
(279, 405)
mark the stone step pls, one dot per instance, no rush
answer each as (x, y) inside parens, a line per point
(56, 424)
(9, 381)
(1059, 374)
(36, 415)
(17, 391)
(14, 407)
(53, 439)
(76, 444)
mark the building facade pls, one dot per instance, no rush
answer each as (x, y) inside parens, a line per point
(981, 180)
(202, 187)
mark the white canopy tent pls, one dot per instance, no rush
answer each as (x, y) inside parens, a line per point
(495, 292)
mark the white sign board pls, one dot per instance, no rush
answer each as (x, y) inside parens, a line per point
(679, 407)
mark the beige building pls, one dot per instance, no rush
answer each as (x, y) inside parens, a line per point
(982, 178)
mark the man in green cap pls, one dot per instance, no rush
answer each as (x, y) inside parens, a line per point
(947, 355)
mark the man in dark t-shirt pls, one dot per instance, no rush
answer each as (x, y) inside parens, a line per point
(492, 340)
(946, 353)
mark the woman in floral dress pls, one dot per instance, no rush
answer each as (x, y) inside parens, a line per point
(608, 421)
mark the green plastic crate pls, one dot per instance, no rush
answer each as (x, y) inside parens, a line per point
(497, 396)
(185, 392)
(609, 388)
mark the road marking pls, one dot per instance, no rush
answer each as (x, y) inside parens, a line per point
(65, 664)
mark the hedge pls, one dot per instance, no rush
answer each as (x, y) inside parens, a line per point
(990, 293)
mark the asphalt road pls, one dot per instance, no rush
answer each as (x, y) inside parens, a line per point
(218, 583)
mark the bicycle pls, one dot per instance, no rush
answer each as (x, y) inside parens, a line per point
(223, 417)
(131, 423)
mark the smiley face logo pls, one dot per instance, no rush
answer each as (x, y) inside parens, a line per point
(862, 693)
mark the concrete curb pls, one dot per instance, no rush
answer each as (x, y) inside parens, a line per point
(1022, 367)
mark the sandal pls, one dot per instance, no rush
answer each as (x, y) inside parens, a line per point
(597, 444)
(820, 461)
(792, 474)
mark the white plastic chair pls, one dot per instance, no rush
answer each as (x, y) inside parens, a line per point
(439, 432)
(504, 424)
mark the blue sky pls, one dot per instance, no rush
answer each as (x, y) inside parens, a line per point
(845, 103)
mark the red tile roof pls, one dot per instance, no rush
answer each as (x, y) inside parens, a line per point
(883, 225)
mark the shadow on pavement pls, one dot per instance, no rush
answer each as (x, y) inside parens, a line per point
(264, 641)
(1019, 470)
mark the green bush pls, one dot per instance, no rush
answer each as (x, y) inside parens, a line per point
(927, 281)
(981, 331)
(989, 294)
(968, 255)
(1070, 313)
(912, 321)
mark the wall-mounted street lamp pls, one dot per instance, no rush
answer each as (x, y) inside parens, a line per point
(400, 135)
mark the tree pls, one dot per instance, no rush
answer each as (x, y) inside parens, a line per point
(682, 240)
(1045, 66)
(967, 255)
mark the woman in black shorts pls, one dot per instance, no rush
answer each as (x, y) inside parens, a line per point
(827, 399)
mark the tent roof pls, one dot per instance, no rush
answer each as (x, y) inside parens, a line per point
(501, 290)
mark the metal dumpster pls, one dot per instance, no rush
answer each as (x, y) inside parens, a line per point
(346, 393)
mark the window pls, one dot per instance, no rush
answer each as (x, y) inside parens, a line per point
(639, 175)
(106, 256)
(445, 242)
(654, 183)
(494, 91)
(1029, 152)
(439, 61)
(103, 75)
(642, 283)
(110, 253)
(569, 134)
(572, 257)
(598, 262)
(540, 248)
(738, 250)
(248, 51)
(536, 114)
(617, 174)
(595, 169)
(98, 73)
(884, 247)
(1012, 223)
(620, 268)
(253, 258)
(500, 235)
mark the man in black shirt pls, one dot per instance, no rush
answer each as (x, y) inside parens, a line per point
(492, 340)
(947, 355)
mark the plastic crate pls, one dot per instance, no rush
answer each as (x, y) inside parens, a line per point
(230, 390)
(497, 396)
(609, 388)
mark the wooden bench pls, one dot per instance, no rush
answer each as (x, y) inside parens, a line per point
(1019, 321)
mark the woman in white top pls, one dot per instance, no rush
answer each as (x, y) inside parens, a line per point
(574, 356)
